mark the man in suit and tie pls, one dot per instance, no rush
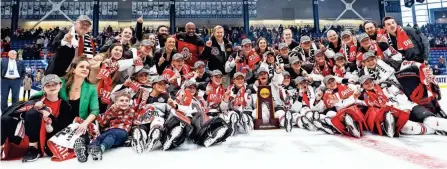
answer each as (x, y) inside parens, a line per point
(13, 72)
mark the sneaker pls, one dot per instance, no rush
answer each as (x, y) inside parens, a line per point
(95, 152)
(138, 140)
(351, 127)
(388, 124)
(31, 155)
(216, 135)
(154, 137)
(175, 133)
(80, 150)
(288, 121)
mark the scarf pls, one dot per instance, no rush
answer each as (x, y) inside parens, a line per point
(350, 52)
(105, 81)
(326, 71)
(238, 96)
(214, 95)
(311, 54)
(403, 41)
(343, 92)
(248, 63)
(376, 97)
(306, 99)
(339, 71)
(185, 72)
(141, 99)
(83, 44)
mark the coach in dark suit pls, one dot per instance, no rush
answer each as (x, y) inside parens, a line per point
(70, 44)
(13, 72)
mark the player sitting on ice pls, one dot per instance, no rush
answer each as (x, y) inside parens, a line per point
(345, 115)
(277, 92)
(388, 109)
(238, 105)
(117, 121)
(207, 130)
(307, 106)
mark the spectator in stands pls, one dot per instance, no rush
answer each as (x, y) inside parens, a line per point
(71, 44)
(441, 62)
(27, 83)
(436, 70)
(6, 44)
(13, 72)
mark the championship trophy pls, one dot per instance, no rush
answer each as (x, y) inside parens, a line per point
(265, 113)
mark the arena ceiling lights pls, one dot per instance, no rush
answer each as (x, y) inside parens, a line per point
(55, 7)
(348, 7)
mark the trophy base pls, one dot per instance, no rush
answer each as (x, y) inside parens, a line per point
(272, 124)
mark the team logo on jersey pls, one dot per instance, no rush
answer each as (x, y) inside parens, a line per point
(215, 51)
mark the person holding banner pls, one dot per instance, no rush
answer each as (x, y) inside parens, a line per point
(26, 127)
(71, 44)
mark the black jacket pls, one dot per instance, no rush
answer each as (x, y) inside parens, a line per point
(421, 47)
(215, 56)
(63, 56)
(162, 53)
(127, 53)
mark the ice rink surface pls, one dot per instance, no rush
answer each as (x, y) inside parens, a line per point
(277, 149)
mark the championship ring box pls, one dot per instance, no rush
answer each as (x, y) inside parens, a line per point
(264, 110)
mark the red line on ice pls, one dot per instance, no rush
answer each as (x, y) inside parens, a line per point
(414, 157)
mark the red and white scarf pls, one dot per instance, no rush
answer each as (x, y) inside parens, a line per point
(350, 54)
(403, 41)
(376, 97)
(239, 98)
(326, 71)
(214, 95)
(343, 92)
(105, 81)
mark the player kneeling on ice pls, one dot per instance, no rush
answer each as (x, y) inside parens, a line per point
(117, 121)
(345, 115)
(278, 93)
(207, 129)
(307, 106)
(238, 104)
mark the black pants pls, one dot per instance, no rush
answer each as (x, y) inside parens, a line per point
(33, 120)
(24, 93)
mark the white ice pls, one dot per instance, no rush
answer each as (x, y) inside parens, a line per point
(277, 149)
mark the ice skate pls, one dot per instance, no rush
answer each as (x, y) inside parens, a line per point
(216, 135)
(95, 152)
(351, 127)
(234, 119)
(32, 155)
(323, 126)
(288, 121)
(175, 133)
(80, 150)
(247, 123)
(138, 140)
(388, 124)
(154, 138)
(306, 123)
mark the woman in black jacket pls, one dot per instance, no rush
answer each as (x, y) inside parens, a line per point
(163, 56)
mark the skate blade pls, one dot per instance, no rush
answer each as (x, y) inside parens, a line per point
(155, 138)
(174, 134)
(390, 127)
(288, 122)
(137, 145)
(219, 134)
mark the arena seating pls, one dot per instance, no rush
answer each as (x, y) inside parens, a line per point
(433, 59)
